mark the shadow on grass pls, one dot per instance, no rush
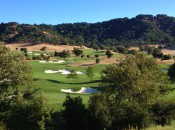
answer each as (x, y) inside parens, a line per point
(55, 81)
(88, 82)
(60, 82)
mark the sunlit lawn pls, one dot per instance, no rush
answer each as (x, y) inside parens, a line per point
(51, 84)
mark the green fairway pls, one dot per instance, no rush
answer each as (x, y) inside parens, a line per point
(51, 84)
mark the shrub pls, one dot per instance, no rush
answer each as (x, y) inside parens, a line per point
(163, 112)
(97, 60)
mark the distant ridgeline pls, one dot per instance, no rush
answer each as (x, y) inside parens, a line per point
(140, 30)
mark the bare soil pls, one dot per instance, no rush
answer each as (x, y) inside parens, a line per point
(165, 61)
(90, 63)
(37, 47)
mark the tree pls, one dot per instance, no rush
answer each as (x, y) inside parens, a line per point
(99, 111)
(157, 53)
(28, 113)
(97, 61)
(64, 54)
(163, 112)
(77, 52)
(132, 87)
(121, 49)
(24, 50)
(90, 72)
(109, 53)
(96, 55)
(20, 108)
(74, 113)
(171, 72)
(44, 48)
(14, 69)
(72, 75)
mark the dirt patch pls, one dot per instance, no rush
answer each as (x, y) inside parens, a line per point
(168, 51)
(90, 63)
(37, 47)
(165, 61)
(134, 48)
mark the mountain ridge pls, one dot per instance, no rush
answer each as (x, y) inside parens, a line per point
(139, 30)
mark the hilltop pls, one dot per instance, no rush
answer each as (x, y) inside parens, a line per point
(139, 30)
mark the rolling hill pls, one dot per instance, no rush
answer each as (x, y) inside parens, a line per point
(139, 30)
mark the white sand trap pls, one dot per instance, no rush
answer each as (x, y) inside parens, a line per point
(83, 90)
(79, 72)
(60, 61)
(87, 90)
(42, 61)
(67, 90)
(64, 71)
(51, 71)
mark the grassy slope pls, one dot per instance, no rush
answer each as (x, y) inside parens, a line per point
(51, 84)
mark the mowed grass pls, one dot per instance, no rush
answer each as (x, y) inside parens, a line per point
(51, 84)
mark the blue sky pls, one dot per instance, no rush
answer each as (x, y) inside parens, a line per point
(71, 11)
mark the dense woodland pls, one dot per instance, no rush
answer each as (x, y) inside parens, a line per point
(142, 29)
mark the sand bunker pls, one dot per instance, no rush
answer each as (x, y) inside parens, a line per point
(50, 71)
(79, 72)
(63, 71)
(83, 90)
(68, 72)
(43, 61)
(60, 61)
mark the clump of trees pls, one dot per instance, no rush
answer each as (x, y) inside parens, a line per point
(77, 51)
(21, 108)
(171, 72)
(64, 54)
(97, 61)
(108, 53)
(129, 90)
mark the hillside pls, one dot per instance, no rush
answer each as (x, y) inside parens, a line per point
(37, 47)
(142, 29)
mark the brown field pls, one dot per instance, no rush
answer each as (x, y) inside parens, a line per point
(134, 48)
(165, 61)
(37, 47)
(165, 51)
(89, 63)
(168, 51)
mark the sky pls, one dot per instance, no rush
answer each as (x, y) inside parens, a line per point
(72, 11)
